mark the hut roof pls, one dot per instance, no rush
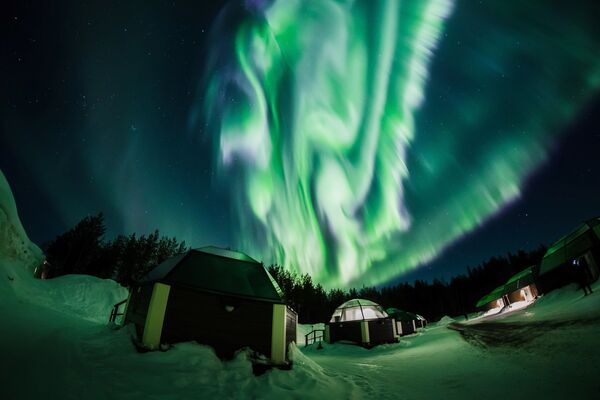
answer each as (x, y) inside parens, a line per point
(522, 279)
(494, 295)
(571, 245)
(400, 315)
(217, 270)
(516, 282)
(358, 302)
(358, 309)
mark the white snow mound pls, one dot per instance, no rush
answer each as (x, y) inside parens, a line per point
(15, 246)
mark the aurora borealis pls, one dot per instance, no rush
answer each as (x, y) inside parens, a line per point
(323, 170)
(322, 104)
(352, 140)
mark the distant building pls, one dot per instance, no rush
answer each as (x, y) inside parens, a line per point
(494, 301)
(361, 321)
(519, 291)
(218, 297)
(574, 258)
(522, 287)
(406, 322)
(581, 247)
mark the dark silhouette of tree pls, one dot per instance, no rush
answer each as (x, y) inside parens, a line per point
(83, 250)
(74, 251)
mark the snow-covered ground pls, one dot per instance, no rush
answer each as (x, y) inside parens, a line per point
(51, 353)
(549, 350)
(55, 343)
(63, 348)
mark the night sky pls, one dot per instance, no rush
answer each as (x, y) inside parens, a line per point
(360, 142)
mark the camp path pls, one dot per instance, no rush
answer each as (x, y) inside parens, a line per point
(516, 334)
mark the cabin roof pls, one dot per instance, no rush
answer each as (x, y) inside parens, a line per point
(493, 295)
(571, 245)
(521, 279)
(237, 255)
(357, 302)
(368, 310)
(216, 270)
(516, 282)
(521, 275)
(401, 315)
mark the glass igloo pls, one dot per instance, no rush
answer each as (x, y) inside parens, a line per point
(358, 310)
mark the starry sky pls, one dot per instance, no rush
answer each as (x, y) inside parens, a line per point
(361, 142)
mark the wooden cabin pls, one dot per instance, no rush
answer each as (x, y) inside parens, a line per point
(522, 286)
(217, 297)
(361, 321)
(406, 322)
(580, 247)
(421, 321)
(495, 300)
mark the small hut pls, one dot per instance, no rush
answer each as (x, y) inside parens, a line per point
(421, 321)
(218, 297)
(361, 321)
(581, 247)
(522, 287)
(406, 322)
(496, 300)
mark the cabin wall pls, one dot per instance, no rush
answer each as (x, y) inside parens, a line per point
(593, 259)
(405, 327)
(137, 308)
(291, 322)
(349, 330)
(556, 278)
(517, 296)
(564, 274)
(494, 304)
(381, 331)
(205, 318)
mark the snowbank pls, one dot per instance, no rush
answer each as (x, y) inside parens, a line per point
(445, 320)
(15, 246)
(83, 296)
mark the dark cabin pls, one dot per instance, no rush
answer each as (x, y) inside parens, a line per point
(580, 247)
(361, 321)
(405, 322)
(218, 297)
(522, 286)
(421, 322)
(495, 300)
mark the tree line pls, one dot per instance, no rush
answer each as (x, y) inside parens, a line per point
(83, 249)
(433, 300)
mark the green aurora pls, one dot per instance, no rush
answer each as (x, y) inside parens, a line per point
(361, 138)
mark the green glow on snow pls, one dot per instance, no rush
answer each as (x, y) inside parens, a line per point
(344, 167)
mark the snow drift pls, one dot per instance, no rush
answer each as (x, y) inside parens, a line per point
(15, 246)
(83, 296)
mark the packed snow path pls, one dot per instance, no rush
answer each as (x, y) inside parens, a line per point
(515, 334)
(549, 350)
